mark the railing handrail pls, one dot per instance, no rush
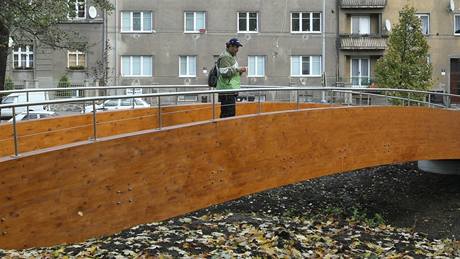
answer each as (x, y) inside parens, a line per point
(58, 89)
(260, 89)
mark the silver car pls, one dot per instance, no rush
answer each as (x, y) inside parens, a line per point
(118, 104)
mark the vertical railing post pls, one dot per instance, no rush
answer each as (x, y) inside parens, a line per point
(133, 97)
(27, 98)
(360, 98)
(298, 101)
(213, 106)
(177, 96)
(94, 121)
(159, 112)
(260, 105)
(408, 99)
(429, 100)
(15, 134)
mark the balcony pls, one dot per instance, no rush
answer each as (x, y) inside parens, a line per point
(363, 42)
(363, 4)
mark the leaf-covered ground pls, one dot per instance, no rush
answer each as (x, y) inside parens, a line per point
(348, 215)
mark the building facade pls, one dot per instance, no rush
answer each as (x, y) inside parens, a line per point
(32, 64)
(176, 41)
(292, 42)
(362, 40)
(441, 25)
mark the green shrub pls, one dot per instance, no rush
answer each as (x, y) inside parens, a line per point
(9, 85)
(64, 82)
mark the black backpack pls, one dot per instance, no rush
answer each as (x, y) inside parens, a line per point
(213, 76)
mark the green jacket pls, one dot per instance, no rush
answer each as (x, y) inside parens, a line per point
(229, 76)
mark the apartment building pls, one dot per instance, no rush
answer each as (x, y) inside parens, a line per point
(362, 40)
(364, 26)
(32, 64)
(441, 25)
(288, 42)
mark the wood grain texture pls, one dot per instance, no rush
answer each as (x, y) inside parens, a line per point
(39, 134)
(86, 190)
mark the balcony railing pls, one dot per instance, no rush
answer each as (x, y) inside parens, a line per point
(363, 42)
(363, 4)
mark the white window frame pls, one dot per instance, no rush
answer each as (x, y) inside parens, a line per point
(131, 65)
(310, 30)
(360, 77)
(20, 52)
(247, 22)
(194, 21)
(311, 65)
(455, 24)
(76, 10)
(256, 57)
(360, 16)
(77, 54)
(131, 22)
(420, 15)
(188, 75)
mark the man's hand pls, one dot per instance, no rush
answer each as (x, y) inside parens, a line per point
(243, 70)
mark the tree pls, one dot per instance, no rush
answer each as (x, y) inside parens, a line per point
(29, 20)
(405, 64)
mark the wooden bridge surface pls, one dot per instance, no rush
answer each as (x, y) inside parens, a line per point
(79, 190)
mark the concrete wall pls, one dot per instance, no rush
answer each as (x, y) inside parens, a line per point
(169, 41)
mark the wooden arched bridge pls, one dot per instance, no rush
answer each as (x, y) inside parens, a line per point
(65, 188)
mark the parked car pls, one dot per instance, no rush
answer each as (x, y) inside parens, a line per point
(16, 98)
(33, 115)
(118, 104)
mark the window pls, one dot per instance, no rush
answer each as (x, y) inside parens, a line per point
(80, 9)
(136, 21)
(305, 22)
(306, 66)
(10, 100)
(248, 22)
(457, 25)
(187, 66)
(23, 57)
(425, 19)
(256, 66)
(136, 66)
(111, 103)
(361, 25)
(76, 60)
(360, 72)
(194, 22)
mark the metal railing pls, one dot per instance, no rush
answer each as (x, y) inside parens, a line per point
(333, 95)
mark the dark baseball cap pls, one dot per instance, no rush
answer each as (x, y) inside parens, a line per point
(234, 42)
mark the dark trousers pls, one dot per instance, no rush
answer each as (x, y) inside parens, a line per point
(227, 105)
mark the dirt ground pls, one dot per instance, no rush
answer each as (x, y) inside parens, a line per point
(403, 195)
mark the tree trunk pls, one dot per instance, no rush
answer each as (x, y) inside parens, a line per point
(4, 41)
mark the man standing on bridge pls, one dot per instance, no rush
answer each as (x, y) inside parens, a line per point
(229, 77)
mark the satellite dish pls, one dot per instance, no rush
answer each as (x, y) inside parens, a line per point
(388, 25)
(92, 12)
(451, 6)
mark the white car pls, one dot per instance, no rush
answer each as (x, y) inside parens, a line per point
(119, 104)
(33, 115)
(16, 98)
